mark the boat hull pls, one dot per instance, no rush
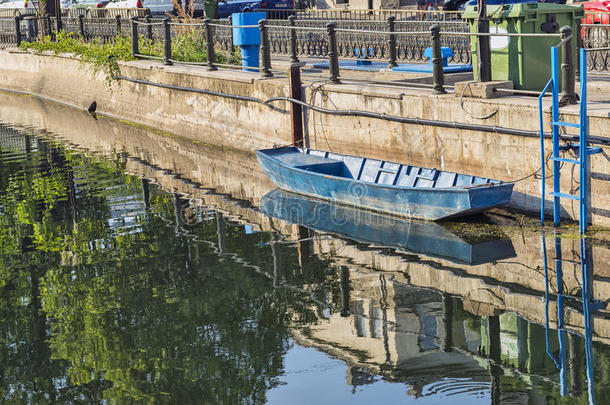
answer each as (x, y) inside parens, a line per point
(422, 203)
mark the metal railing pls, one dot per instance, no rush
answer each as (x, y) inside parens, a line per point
(17, 29)
(391, 40)
(596, 39)
(362, 15)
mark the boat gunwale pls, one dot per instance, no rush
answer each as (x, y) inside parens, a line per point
(502, 184)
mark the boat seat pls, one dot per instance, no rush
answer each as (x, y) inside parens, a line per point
(301, 159)
(335, 168)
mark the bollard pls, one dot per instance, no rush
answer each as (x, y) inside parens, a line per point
(568, 95)
(81, 26)
(333, 57)
(118, 25)
(18, 30)
(438, 77)
(392, 42)
(293, 39)
(209, 32)
(149, 30)
(265, 51)
(296, 110)
(134, 37)
(167, 42)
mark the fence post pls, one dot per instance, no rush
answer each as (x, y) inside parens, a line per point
(118, 24)
(392, 42)
(49, 26)
(135, 38)
(484, 45)
(333, 57)
(293, 39)
(18, 30)
(209, 33)
(149, 30)
(167, 42)
(568, 95)
(438, 76)
(230, 18)
(81, 26)
(265, 51)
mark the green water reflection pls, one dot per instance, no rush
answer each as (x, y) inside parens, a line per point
(112, 289)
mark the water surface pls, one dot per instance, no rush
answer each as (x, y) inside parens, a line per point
(135, 267)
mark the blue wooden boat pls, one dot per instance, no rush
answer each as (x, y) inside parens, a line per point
(377, 185)
(411, 235)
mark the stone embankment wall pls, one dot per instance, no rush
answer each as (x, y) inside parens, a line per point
(248, 126)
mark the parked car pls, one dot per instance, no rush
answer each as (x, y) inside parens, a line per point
(89, 3)
(454, 5)
(226, 8)
(19, 4)
(459, 5)
(133, 4)
(157, 7)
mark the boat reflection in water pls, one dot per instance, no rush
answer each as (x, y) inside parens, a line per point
(586, 303)
(429, 238)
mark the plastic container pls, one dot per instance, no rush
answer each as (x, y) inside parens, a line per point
(524, 60)
(210, 9)
(248, 39)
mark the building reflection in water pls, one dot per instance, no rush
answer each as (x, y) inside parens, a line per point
(425, 338)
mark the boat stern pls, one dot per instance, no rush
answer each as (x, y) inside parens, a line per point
(482, 198)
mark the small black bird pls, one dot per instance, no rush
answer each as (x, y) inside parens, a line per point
(92, 109)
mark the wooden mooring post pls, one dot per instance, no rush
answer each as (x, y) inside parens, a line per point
(296, 110)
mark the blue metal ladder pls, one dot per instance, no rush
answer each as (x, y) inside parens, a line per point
(584, 149)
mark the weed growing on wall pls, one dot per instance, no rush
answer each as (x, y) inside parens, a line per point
(102, 55)
(188, 45)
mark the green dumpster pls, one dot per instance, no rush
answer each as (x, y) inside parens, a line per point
(524, 60)
(210, 8)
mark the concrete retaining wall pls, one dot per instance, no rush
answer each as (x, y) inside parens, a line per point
(248, 126)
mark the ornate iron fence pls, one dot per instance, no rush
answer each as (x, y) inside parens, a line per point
(8, 32)
(223, 34)
(368, 39)
(359, 37)
(363, 15)
(597, 38)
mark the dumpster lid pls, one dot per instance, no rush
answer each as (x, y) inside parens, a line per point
(517, 10)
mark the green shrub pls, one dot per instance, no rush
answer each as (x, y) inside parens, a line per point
(187, 46)
(102, 55)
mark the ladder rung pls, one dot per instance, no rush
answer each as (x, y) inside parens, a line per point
(564, 195)
(566, 160)
(594, 150)
(565, 124)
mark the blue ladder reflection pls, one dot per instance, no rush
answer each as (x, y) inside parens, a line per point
(589, 307)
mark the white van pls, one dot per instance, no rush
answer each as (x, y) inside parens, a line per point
(156, 7)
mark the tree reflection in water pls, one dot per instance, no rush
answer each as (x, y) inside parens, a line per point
(112, 289)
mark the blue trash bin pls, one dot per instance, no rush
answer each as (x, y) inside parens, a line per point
(248, 39)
